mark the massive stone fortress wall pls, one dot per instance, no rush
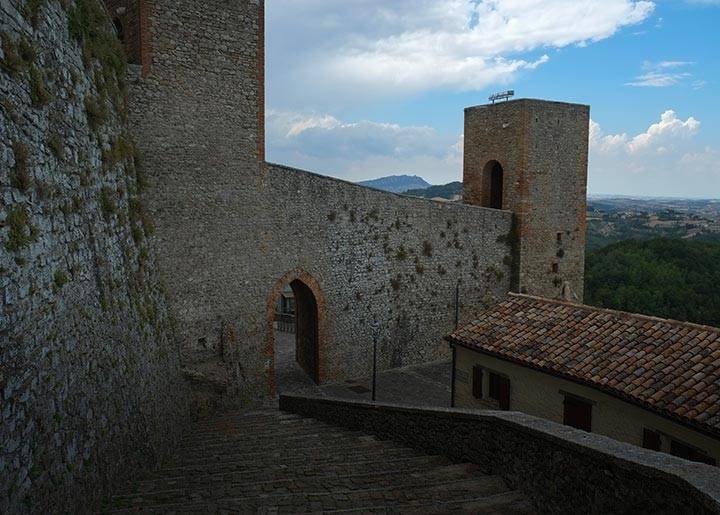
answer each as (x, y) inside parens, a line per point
(89, 369)
(230, 229)
(542, 149)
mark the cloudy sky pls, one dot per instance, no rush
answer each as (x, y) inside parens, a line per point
(358, 89)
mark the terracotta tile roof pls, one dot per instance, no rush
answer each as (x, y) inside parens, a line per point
(666, 366)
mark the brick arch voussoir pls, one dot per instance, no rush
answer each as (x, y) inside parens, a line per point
(306, 278)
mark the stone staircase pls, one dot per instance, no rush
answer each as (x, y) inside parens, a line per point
(270, 462)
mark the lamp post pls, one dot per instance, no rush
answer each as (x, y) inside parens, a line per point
(375, 330)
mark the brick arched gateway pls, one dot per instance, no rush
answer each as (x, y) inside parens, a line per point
(310, 328)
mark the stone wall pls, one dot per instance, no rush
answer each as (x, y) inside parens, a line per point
(561, 469)
(232, 229)
(89, 370)
(377, 257)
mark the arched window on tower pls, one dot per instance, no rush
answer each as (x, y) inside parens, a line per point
(493, 185)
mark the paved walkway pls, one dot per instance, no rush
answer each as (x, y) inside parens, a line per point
(421, 385)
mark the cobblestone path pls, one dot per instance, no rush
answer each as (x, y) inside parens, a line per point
(273, 462)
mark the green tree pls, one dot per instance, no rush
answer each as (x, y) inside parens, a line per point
(668, 278)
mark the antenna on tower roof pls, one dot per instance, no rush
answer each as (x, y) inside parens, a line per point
(503, 95)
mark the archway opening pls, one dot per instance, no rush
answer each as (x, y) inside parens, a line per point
(493, 185)
(295, 333)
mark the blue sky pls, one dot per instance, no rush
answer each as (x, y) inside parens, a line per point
(363, 88)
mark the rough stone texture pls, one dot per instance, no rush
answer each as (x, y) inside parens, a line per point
(233, 229)
(561, 469)
(543, 149)
(273, 462)
(89, 372)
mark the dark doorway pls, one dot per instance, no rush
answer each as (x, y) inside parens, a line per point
(296, 335)
(306, 329)
(496, 186)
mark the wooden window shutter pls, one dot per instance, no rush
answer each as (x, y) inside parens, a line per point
(500, 390)
(477, 382)
(577, 413)
(651, 440)
(504, 393)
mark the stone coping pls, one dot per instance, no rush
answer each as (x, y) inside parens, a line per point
(411, 200)
(560, 468)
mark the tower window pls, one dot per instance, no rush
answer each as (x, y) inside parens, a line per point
(493, 185)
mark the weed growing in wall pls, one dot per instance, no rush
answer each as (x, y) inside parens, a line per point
(32, 11)
(20, 175)
(11, 62)
(39, 95)
(87, 24)
(107, 203)
(96, 113)
(27, 51)
(427, 249)
(60, 279)
(57, 146)
(22, 232)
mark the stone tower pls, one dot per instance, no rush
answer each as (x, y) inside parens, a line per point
(530, 157)
(196, 89)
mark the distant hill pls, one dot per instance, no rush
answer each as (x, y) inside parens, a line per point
(614, 219)
(397, 183)
(449, 191)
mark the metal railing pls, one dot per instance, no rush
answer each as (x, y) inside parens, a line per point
(285, 322)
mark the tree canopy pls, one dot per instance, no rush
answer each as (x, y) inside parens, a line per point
(668, 278)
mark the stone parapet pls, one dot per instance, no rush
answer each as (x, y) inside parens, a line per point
(562, 469)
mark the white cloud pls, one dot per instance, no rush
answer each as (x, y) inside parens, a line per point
(355, 48)
(662, 160)
(668, 132)
(669, 129)
(662, 74)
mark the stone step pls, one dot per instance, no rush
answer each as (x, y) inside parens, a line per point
(284, 477)
(266, 435)
(370, 463)
(378, 491)
(295, 439)
(267, 461)
(320, 455)
(506, 503)
(316, 449)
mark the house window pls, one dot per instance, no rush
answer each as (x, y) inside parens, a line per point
(652, 440)
(477, 382)
(500, 390)
(577, 413)
(687, 452)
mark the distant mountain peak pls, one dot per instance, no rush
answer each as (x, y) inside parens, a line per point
(397, 183)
